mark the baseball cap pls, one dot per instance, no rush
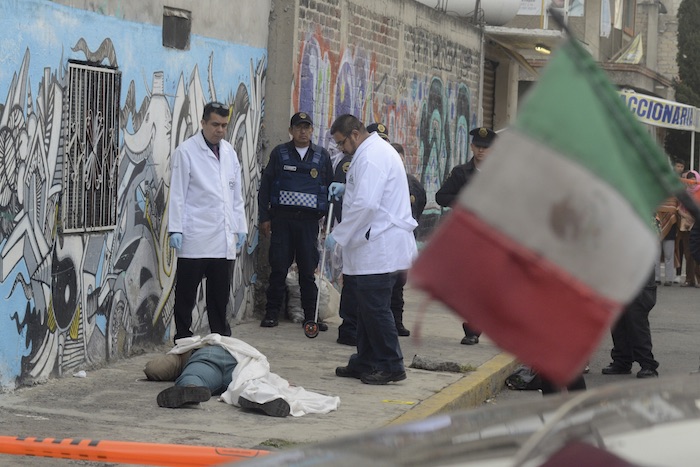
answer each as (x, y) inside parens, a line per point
(300, 117)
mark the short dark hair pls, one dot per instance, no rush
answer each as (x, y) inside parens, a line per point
(678, 161)
(218, 108)
(346, 124)
(398, 148)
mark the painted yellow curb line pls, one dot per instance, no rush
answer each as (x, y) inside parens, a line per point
(469, 392)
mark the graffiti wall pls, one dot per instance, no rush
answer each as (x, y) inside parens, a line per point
(75, 300)
(420, 83)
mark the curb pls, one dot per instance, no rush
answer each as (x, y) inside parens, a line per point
(469, 392)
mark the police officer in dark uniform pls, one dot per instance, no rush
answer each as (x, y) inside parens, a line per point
(482, 139)
(293, 197)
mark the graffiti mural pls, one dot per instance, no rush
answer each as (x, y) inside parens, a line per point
(429, 116)
(76, 300)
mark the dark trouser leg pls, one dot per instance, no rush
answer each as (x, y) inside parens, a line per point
(377, 340)
(280, 258)
(397, 298)
(469, 332)
(640, 333)
(621, 352)
(305, 237)
(348, 309)
(189, 275)
(218, 275)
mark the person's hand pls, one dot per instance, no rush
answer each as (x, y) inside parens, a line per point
(266, 228)
(176, 240)
(336, 190)
(241, 241)
(330, 242)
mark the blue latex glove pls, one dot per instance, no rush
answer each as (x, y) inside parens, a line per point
(330, 242)
(241, 241)
(176, 240)
(336, 190)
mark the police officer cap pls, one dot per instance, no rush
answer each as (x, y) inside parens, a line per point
(299, 118)
(482, 137)
(380, 129)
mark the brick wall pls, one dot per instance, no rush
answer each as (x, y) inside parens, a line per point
(392, 61)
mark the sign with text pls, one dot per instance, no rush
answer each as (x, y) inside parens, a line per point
(660, 112)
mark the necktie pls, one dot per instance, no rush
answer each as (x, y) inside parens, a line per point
(215, 149)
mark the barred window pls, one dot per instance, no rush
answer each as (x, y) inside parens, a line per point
(90, 163)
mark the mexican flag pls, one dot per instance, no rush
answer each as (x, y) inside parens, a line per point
(553, 237)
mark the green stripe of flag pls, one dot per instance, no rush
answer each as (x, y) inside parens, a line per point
(577, 111)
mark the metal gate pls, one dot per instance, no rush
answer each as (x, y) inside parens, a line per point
(90, 164)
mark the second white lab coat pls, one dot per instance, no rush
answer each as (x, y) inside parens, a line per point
(376, 232)
(206, 201)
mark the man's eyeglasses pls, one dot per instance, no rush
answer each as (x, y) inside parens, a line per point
(341, 144)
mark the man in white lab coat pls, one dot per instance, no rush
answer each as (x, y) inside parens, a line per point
(207, 221)
(377, 242)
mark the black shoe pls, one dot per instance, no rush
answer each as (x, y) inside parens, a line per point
(383, 377)
(345, 372)
(402, 330)
(345, 340)
(668, 284)
(268, 322)
(647, 373)
(274, 408)
(613, 369)
(470, 340)
(177, 396)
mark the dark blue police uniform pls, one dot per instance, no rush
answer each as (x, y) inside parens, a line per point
(293, 196)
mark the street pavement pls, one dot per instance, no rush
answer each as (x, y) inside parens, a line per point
(675, 327)
(116, 403)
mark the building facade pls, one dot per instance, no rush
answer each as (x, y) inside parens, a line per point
(96, 97)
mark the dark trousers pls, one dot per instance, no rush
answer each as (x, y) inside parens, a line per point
(377, 340)
(293, 239)
(348, 305)
(631, 334)
(190, 272)
(397, 298)
(469, 331)
(348, 310)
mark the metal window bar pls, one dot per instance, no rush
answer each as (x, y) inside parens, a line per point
(92, 149)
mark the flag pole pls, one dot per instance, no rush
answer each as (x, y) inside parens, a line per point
(627, 130)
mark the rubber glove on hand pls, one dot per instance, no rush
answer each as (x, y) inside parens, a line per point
(176, 240)
(241, 241)
(336, 190)
(330, 242)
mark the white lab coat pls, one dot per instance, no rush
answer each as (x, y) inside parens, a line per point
(206, 201)
(376, 199)
(253, 380)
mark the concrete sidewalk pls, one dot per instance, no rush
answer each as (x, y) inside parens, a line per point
(117, 403)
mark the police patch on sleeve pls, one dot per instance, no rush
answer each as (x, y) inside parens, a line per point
(346, 167)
